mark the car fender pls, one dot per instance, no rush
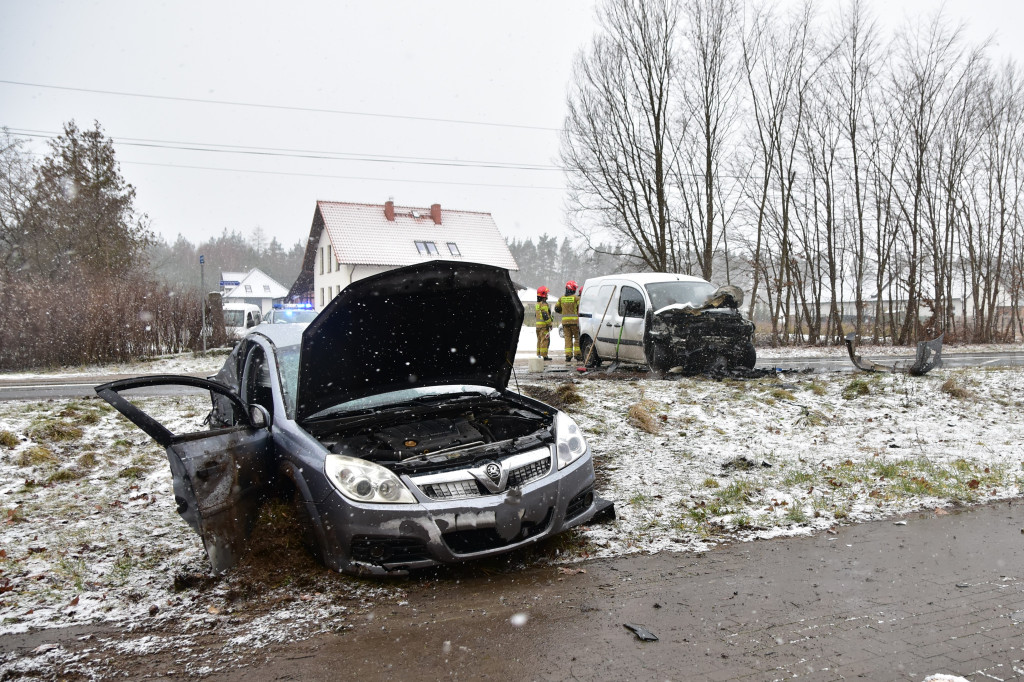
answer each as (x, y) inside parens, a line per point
(294, 474)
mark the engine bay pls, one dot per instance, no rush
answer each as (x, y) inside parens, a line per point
(418, 438)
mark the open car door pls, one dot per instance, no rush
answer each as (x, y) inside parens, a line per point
(220, 475)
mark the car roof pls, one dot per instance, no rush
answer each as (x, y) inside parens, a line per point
(281, 335)
(645, 278)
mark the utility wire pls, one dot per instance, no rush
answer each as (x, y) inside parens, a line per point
(338, 177)
(280, 107)
(296, 153)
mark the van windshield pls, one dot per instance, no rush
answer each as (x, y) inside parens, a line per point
(685, 293)
(234, 318)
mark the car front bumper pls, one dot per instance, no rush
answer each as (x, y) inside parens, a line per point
(381, 539)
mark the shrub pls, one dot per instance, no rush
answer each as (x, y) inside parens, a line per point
(8, 439)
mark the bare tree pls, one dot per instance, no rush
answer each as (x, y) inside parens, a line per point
(616, 143)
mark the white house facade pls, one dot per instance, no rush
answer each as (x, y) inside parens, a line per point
(349, 241)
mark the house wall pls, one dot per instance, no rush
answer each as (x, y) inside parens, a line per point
(330, 277)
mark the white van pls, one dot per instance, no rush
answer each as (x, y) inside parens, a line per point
(239, 318)
(664, 320)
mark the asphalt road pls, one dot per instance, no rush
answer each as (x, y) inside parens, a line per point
(42, 389)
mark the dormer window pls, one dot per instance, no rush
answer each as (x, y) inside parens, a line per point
(453, 249)
(266, 288)
(427, 248)
(248, 288)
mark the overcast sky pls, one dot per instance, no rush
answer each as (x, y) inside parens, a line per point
(504, 65)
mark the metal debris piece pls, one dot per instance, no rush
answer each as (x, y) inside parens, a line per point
(929, 356)
(642, 633)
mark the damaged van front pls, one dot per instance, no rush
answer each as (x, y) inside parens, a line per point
(389, 422)
(664, 321)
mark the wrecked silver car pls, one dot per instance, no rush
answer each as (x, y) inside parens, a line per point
(664, 321)
(389, 421)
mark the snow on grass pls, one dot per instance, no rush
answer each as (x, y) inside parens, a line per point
(788, 455)
(90, 536)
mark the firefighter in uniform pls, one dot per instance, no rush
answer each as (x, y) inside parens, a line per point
(543, 324)
(569, 307)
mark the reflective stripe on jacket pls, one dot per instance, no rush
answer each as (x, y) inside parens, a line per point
(569, 307)
(543, 315)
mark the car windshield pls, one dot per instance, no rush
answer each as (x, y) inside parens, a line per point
(288, 368)
(234, 318)
(287, 316)
(685, 293)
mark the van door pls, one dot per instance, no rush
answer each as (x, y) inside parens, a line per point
(621, 335)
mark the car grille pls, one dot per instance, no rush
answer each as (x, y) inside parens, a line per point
(388, 550)
(459, 485)
(517, 478)
(455, 490)
(579, 504)
(483, 539)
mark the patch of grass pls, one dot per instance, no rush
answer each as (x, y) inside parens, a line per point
(885, 468)
(88, 460)
(569, 394)
(72, 570)
(743, 520)
(799, 478)
(710, 482)
(781, 394)
(123, 566)
(131, 472)
(35, 456)
(954, 389)
(809, 417)
(639, 415)
(856, 388)
(8, 439)
(65, 475)
(795, 514)
(816, 388)
(738, 492)
(638, 500)
(54, 431)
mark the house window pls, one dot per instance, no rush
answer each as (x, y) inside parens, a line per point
(453, 249)
(321, 297)
(427, 248)
(248, 288)
(321, 263)
(266, 288)
(330, 259)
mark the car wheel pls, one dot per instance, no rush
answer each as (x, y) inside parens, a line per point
(590, 356)
(661, 359)
(748, 358)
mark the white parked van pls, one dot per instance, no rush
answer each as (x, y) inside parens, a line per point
(664, 320)
(239, 318)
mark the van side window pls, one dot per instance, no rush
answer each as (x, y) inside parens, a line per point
(595, 300)
(631, 303)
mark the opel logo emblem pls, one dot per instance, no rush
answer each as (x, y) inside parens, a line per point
(493, 472)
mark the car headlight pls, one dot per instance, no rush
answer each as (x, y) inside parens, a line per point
(364, 481)
(569, 442)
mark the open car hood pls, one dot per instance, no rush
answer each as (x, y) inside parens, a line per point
(430, 324)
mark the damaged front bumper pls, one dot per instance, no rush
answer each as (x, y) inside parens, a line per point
(379, 539)
(929, 356)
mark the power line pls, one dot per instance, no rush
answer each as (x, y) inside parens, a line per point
(280, 107)
(338, 177)
(296, 153)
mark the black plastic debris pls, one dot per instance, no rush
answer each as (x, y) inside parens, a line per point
(929, 356)
(642, 633)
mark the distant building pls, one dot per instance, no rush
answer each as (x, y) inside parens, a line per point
(348, 242)
(255, 286)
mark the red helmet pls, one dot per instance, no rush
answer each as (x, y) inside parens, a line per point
(542, 291)
(571, 286)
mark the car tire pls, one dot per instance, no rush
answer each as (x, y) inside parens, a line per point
(590, 355)
(660, 360)
(748, 358)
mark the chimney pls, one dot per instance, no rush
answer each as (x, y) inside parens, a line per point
(389, 211)
(435, 213)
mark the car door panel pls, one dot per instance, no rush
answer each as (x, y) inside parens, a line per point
(220, 476)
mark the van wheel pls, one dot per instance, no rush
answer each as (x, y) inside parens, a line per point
(748, 358)
(590, 356)
(660, 360)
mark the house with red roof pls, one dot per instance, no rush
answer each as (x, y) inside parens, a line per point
(350, 241)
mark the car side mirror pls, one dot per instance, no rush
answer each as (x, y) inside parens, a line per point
(259, 417)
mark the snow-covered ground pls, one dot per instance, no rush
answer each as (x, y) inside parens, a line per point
(89, 533)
